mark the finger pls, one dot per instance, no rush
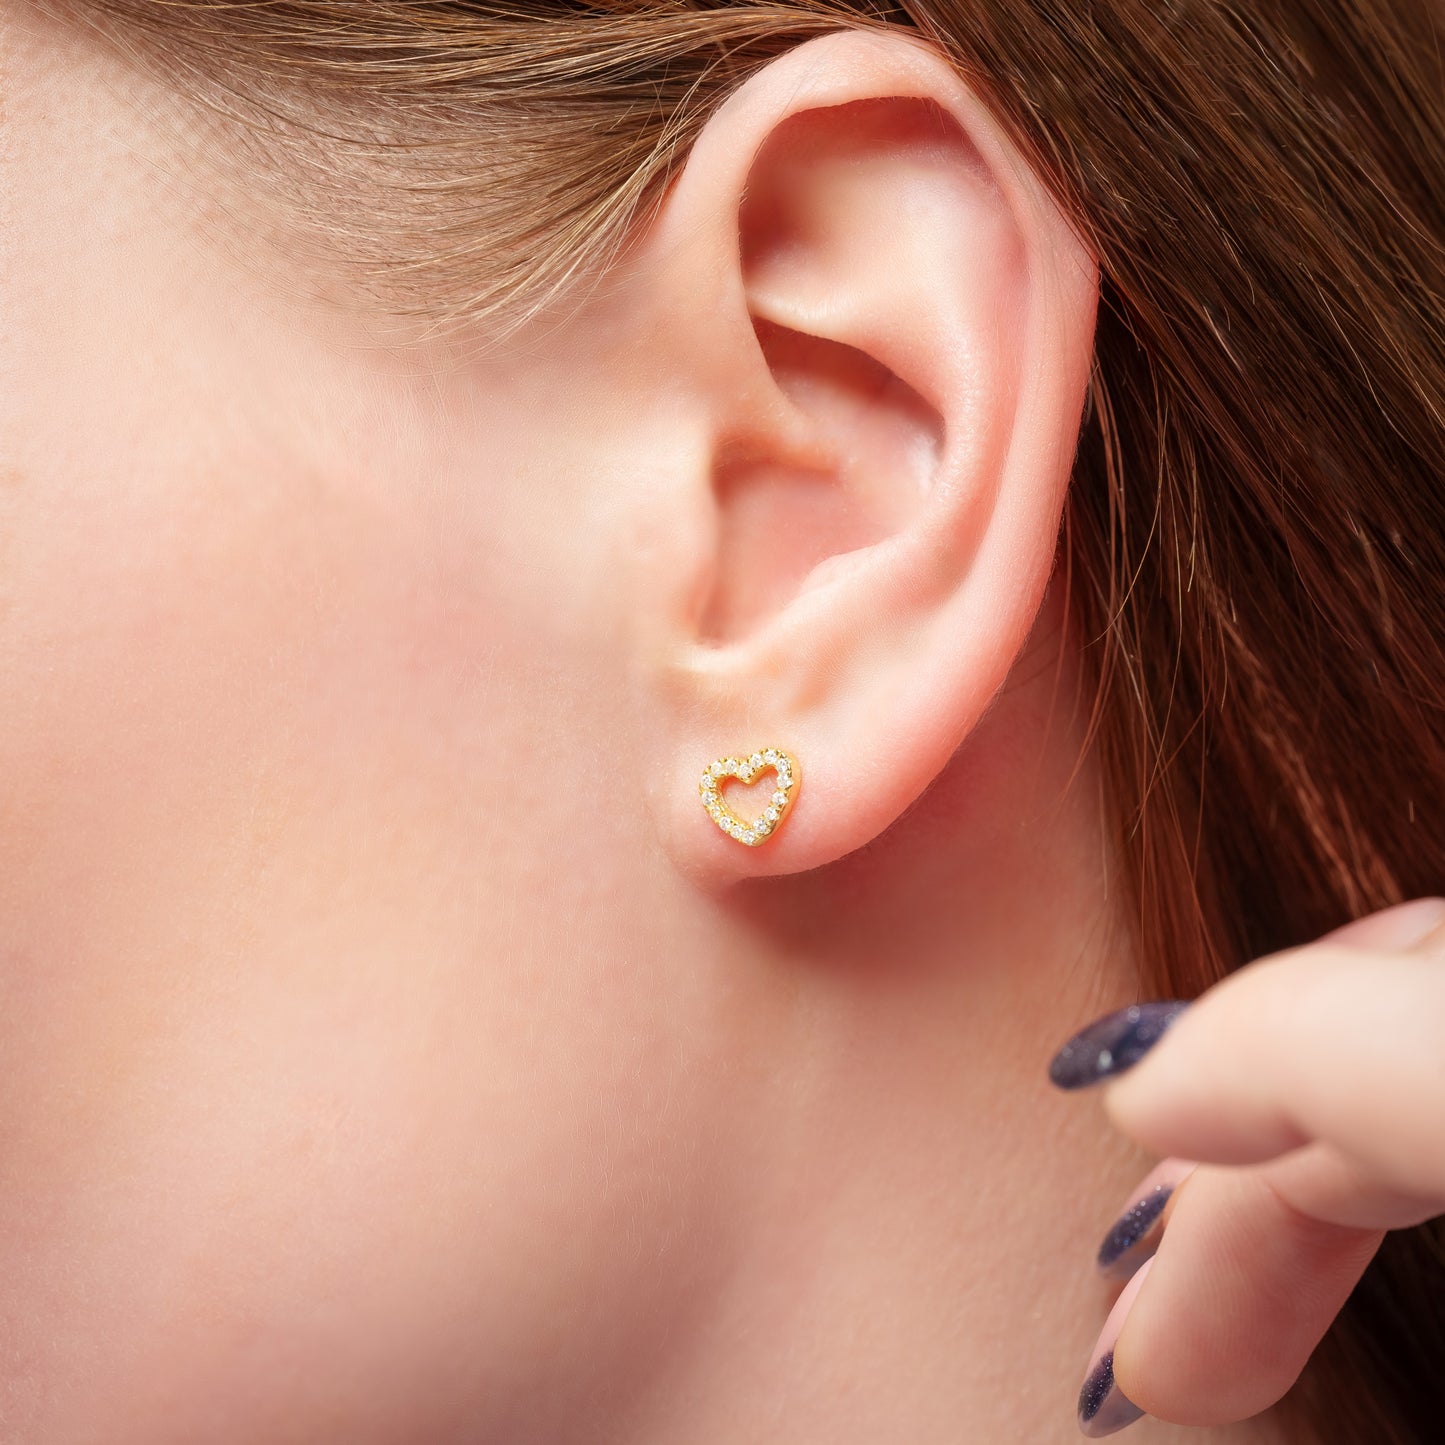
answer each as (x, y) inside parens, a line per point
(1103, 1407)
(1238, 1295)
(1316, 1180)
(1328, 1043)
(1320, 1181)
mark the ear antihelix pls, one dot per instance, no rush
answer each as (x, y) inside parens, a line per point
(745, 769)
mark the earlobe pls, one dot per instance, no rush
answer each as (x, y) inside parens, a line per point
(887, 348)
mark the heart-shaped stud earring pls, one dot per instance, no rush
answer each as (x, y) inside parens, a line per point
(745, 770)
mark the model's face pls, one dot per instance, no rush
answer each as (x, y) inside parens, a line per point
(393, 1049)
(325, 1057)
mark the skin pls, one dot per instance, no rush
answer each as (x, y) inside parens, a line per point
(393, 1048)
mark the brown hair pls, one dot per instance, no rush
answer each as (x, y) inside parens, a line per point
(1256, 531)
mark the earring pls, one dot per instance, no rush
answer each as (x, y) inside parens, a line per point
(745, 770)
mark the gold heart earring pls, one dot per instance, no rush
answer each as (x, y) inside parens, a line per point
(745, 770)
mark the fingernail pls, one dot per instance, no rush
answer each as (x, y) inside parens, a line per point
(1133, 1225)
(1103, 1406)
(1113, 1043)
(1134, 1234)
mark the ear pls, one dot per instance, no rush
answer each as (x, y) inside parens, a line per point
(877, 328)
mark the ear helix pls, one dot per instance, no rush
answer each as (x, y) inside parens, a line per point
(745, 770)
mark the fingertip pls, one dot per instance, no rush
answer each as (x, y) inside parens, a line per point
(1104, 1406)
(1198, 1097)
(1404, 926)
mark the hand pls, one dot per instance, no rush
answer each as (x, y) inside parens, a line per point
(1301, 1104)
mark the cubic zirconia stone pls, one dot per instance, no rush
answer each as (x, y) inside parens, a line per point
(771, 756)
(779, 798)
(717, 770)
(756, 760)
(750, 837)
(771, 815)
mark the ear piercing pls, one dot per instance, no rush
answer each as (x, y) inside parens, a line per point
(745, 770)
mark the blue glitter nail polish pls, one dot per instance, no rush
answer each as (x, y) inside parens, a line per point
(1103, 1406)
(1112, 1044)
(1133, 1224)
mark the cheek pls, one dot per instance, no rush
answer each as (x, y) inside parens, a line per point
(336, 1102)
(330, 1092)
